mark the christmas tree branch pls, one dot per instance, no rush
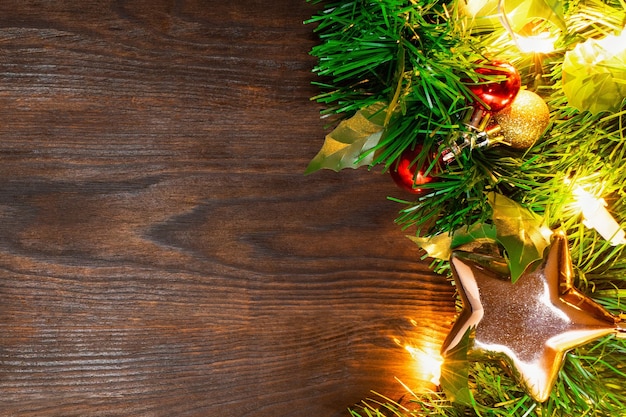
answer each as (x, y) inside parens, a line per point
(419, 58)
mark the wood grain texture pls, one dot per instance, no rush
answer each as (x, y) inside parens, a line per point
(161, 253)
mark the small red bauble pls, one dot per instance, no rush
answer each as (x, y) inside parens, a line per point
(497, 95)
(407, 172)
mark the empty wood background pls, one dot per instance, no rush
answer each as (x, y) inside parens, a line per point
(161, 252)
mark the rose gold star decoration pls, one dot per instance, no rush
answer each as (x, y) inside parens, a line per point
(530, 324)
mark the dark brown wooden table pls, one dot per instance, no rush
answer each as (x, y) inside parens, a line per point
(161, 252)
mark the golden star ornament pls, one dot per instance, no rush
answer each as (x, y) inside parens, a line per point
(530, 324)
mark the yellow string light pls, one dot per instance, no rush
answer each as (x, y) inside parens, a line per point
(535, 36)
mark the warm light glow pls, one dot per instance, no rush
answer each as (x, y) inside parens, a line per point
(424, 359)
(542, 43)
(536, 36)
(427, 364)
(596, 216)
(613, 45)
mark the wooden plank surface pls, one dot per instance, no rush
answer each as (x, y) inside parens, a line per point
(161, 253)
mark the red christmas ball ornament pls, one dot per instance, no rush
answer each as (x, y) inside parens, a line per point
(409, 174)
(497, 95)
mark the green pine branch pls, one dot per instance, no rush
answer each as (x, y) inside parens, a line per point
(406, 54)
(416, 56)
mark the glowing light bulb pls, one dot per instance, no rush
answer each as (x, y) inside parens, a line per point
(428, 364)
(613, 44)
(542, 43)
(596, 216)
(537, 35)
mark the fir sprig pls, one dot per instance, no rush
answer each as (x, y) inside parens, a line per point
(418, 57)
(407, 54)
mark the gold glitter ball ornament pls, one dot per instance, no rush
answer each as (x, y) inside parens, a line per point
(523, 122)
